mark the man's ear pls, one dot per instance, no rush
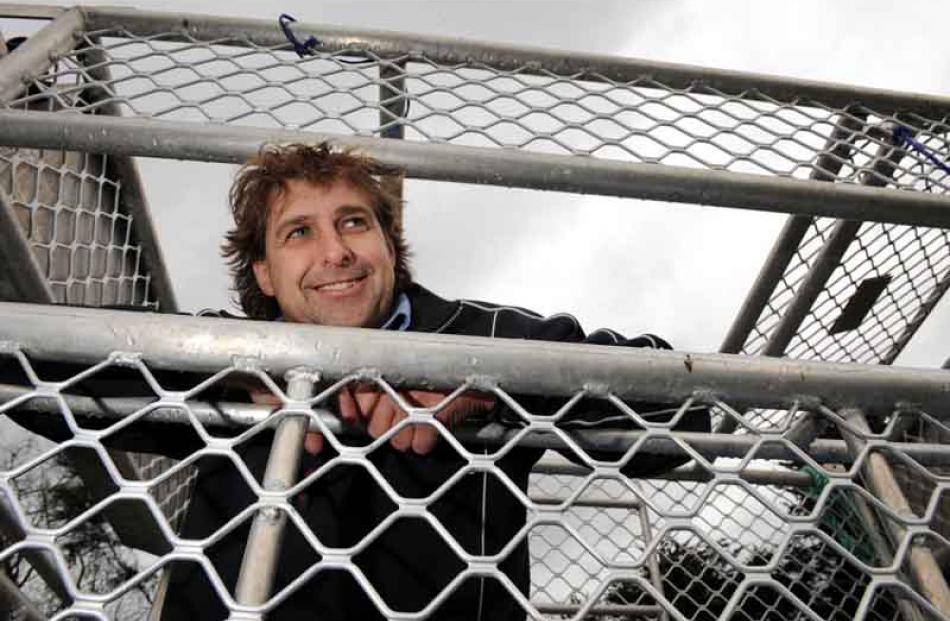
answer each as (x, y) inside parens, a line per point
(262, 276)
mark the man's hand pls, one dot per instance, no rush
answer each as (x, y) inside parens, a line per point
(380, 413)
(367, 404)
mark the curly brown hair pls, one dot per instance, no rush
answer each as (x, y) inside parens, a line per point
(263, 177)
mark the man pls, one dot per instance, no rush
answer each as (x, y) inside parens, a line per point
(316, 240)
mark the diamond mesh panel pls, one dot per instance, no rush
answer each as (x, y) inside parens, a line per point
(82, 242)
(720, 547)
(730, 537)
(236, 81)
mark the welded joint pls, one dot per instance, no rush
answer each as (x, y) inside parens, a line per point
(706, 396)
(369, 374)
(302, 374)
(125, 358)
(808, 402)
(485, 383)
(247, 364)
(599, 390)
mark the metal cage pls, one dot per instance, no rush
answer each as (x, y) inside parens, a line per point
(822, 493)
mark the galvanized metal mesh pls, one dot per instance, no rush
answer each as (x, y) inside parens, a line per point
(82, 242)
(717, 547)
(917, 261)
(763, 531)
(357, 90)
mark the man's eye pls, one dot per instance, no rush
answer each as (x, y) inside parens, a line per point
(354, 223)
(299, 231)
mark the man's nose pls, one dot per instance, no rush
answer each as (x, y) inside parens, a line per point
(336, 252)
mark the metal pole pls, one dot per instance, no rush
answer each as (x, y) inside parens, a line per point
(14, 605)
(455, 51)
(38, 53)
(826, 168)
(205, 344)
(20, 276)
(485, 165)
(653, 560)
(882, 482)
(259, 565)
(710, 445)
(393, 105)
(31, 11)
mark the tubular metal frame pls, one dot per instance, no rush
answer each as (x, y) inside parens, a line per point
(810, 391)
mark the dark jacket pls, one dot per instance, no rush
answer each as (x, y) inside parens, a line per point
(408, 564)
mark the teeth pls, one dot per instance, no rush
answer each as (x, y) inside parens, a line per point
(338, 286)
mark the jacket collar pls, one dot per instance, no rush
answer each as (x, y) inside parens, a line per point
(429, 311)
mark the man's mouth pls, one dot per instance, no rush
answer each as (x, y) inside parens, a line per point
(339, 285)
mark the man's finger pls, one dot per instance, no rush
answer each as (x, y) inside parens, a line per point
(381, 418)
(366, 400)
(313, 442)
(424, 439)
(349, 410)
(262, 396)
(402, 441)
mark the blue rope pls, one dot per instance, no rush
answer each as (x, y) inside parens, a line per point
(308, 48)
(305, 48)
(903, 136)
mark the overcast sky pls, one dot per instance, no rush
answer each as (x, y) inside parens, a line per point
(680, 271)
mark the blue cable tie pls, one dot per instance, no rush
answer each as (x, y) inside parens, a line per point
(903, 135)
(304, 48)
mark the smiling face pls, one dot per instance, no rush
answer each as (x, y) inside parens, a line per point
(327, 261)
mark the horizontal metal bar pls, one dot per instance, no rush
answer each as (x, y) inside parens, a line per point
(243, 415)
(484, 165)
(31, 11)
(757, 476)
(508, 58)
(627, 610)
(37, 54)
(204, 344)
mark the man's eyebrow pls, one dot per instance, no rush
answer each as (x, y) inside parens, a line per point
(345, 210)
(291, 222)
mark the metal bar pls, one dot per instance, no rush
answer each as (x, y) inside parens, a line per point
(710, 445)
(38, 53)
(20, 277)
(880, 478)
(14, 605)
(132, 195)
(242, 415)
(877, 531)
(653, 560)
(757, 476)
(828, 260)
(259, 565)
(204, 344)
(827, 166)
(392, 113)
(613, 610)
(31, 11)
(41, 560)
(485, 165)
(452, 51)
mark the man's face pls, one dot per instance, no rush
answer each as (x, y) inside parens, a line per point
(327, 261)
